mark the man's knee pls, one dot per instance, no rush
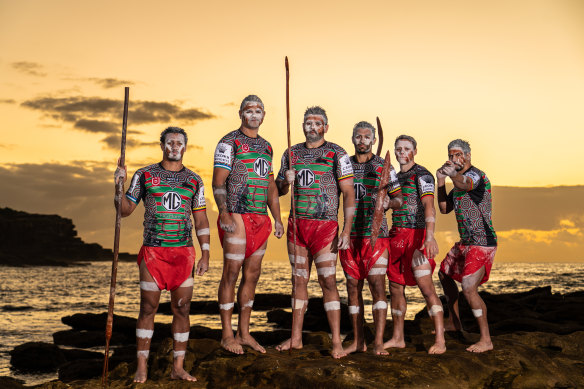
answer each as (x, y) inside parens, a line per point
(181, 307)
(327, 282)
(148, 308)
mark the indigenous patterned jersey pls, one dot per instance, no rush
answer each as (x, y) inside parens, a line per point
(416, 184)
(318, 172)
(473, 210)
(366, 182)
(249, 161)
(169, 199)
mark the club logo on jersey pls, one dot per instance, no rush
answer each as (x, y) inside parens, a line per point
(360, 190)
(155, 181)
(245, 148)
(305, 178)
(261, 167)
(171, 201)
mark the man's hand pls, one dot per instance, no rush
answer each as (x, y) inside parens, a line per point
(386, 201)
(431, 247)
(449, 169)
(440, 174)
(120, 173)
(290, 176)
(278, 229)
(344, 240)
(203, 264)
(226, 222)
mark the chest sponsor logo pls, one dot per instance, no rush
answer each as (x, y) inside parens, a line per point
(305, 178)
(360, 191)
(171, 201)
(261, 167)
(156, 181)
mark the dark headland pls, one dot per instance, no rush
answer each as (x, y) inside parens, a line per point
(28, 239)
(538, 338)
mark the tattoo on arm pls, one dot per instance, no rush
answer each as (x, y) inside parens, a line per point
(220, 194)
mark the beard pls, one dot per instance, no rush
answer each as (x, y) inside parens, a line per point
(314, 136)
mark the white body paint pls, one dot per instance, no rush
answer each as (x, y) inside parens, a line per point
(299, 259)
(219, 191)
(434, 310)
(326, 271)
(259, 252)
(226, 306)
(376, 271)
(249, 304)
(354, 309)
(149, 286)
(205, 247)
(236, 240)
(381, 261)
(379, 305)
(203, 231)
(181, 336)
(299, 303)
(144, 334)
(300, 273)
(177, 354)
(477, 312)
(326, 257)
(396, 312)
(430, 219)
(422, 273)
(143, 353)
(187, 283)
(332, 306)
(235, 257)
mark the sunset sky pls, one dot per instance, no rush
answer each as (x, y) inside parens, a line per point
(508, 76)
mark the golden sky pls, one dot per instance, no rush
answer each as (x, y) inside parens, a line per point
(508, 76)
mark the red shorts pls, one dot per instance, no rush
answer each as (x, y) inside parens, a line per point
(257, 231)
(463, 260)
(169, 266)
(313, 234)
(403, 243)
(359, 258)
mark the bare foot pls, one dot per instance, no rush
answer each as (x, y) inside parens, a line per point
(337, 351)
(142, 371)
(285, 345)
(379, 349)
(181, 374)
(394, 344)
(356, 346)
(480, 347)
(231, 345)
(437, 348)
(248, 340)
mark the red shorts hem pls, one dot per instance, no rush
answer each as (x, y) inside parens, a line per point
(257, 231)
(464, 260)
(168, 266)
(358, 260)
(403, 243)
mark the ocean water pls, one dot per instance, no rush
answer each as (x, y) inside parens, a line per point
(33, 299)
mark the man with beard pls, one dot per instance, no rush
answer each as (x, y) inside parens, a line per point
(470, 260)
(243, 185)
(413, 246)
(318, 170)
(361, 261)
(171, 194)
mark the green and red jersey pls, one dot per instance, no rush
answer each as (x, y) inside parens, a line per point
(473, 210)
(249, 161)
(318, 173)
(416, 184)
(366, 182)
(169, 198)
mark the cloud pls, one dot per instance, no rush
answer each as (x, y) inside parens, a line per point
(108, 83)
(7, 101)
(102, 115)
(30, 68)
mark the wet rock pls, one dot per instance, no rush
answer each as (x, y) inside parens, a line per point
(11, 383)
(36, 357)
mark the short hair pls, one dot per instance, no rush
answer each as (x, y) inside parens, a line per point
(408, 138)
(316, 110)
(459, 144)
(364, 124)
(173, 130)
(251, 99)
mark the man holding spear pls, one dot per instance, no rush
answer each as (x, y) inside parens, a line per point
(362, 260)
(318, 171)
(243, 185)
(171, 194)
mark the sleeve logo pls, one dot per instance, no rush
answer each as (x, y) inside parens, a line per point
(473, 176)
(223, 154)
(426, 187)
(346, 166)
(201, 199)
(171, 201)
(305, 178)
(261, 167)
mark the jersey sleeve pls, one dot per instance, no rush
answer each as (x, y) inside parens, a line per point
(199, 203)
(224, 154)
(271, 154)
(394, 185)
(474, 176)
(426, 186)
(344, 165)
(137, 188)
(284, 166)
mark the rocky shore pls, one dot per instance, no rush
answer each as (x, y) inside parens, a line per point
(28, 239)
(538, 338)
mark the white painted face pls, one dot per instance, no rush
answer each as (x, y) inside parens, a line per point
(404, 151)
(314, 128)
(458, 158)
(363, 140)
(252, 115)
(174, 147)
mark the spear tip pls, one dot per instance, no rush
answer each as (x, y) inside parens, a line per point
(286, 62)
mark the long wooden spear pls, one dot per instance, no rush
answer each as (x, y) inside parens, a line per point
(380, 134)
(118, 199)
(292, 192)
(377, 217)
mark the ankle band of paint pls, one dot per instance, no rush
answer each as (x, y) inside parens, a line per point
(396, 312)
(376, 271)
(203, 231)
(235, 257)
(326, 271)
(332, 306)
(187, 283)
(354, 309)
(143, 353)
(144, 334)
(149, 286)
(477, 312)
(379, 305)
(435, 309)
(422, 273)
(181, 336)
(226, 307)
(177, 354)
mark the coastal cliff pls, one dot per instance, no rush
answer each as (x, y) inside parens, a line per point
(28, 239)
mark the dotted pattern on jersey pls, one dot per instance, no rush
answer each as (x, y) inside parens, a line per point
(318, 172)
(416, 183)
(169, 200)
(366, 181)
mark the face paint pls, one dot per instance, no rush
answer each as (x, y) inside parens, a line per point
(363, 140)
(404, 151)
(314, 128)
(174, 147)
(252, 115)
(457, 157)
